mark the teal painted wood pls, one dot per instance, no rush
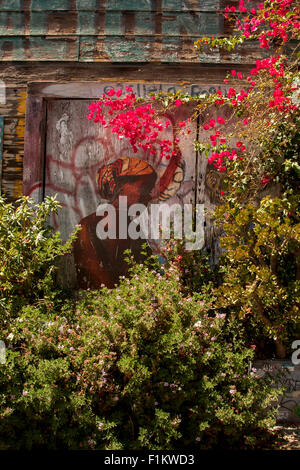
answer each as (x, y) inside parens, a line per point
(199, 24)
(87, 23)
(1, 149)
(112, 5)
(15, 46)
(114, 23)
(132, 48)
(198, 5)
(130, 5)
(39, 49)
(110, 31)
(51, 5)
(12, 23)
(87, 4)
(11, 5)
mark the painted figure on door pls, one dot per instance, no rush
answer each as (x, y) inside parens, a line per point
(101, 261)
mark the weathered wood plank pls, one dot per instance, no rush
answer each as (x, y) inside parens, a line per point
(19, 74)
(142, 89)
(113, 5)
(12, 170)
(34, 146)
(15, 102)
(110, 23)
(35, 48)
(167, 49)
(13, 144)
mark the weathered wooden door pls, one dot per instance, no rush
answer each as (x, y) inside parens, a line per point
(84, 167)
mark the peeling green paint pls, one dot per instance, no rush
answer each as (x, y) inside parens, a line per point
(87, 48)
(171, 49)
(114, 23)
(12, 47)
(42, 49)
(11, 4)
(198, 24)
(51, 5)
(189, 5)
(87, 23)
(144, 23)
(122, 50)
(87, 4)
(11, 23)
(130, 5)
(38, 23)
(106, 30)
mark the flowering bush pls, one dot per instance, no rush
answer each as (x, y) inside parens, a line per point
(137, 367)
(140, 125)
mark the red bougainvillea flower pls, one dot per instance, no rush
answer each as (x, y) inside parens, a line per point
(111, 92)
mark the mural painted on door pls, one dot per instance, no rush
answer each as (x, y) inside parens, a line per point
(86, 165)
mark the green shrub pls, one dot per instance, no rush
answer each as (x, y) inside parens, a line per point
(29, 248)
(260, 267)
(137, 367)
